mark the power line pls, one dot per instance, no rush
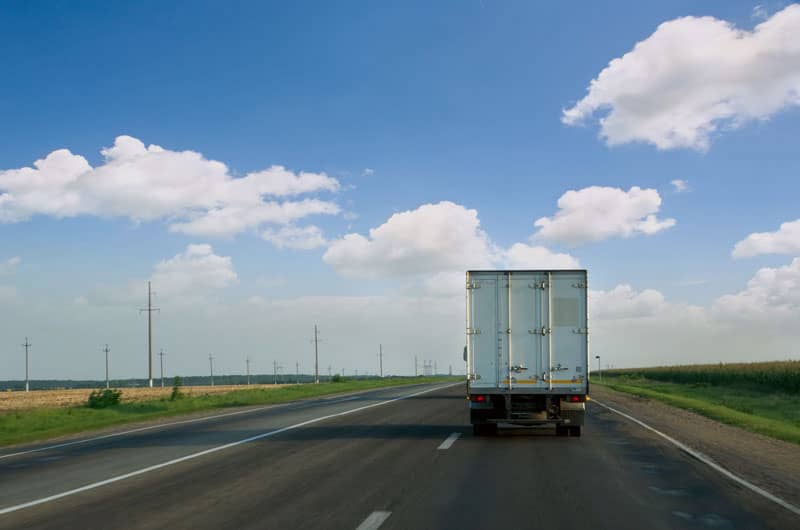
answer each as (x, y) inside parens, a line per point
(149, 312)
(27, 347)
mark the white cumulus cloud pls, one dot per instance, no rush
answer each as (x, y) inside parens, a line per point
(523, 256)
(624, 302)
(195, 271)
(10, 265)
(785, 240)
(431, 247)
(433, 238)
(693, 76)
(680, 185)
(195, 195)
(290, 236)
(190, 276)
(759, 12)
(772, 295)
(596, 213)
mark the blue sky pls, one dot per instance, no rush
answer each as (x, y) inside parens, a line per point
(447, 101)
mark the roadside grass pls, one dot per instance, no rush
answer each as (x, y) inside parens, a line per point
(774, 414)
(42, 423)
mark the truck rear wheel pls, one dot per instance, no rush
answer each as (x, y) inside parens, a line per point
(561, 430)
(575, 430)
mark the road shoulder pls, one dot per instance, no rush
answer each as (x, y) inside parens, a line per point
(771, 464)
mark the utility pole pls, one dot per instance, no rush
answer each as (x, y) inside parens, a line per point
(149, 312)
(415, 366)
(380, 358)
(434, 368)
(161, 355)
(211, 367)
(106, 350)
(451, 370)
(247, 360)
(330, 375)
(275, 370)
(27, 347)
(316, 355)
(599, 371)
(297, 371)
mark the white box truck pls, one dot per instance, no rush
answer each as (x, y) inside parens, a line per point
(527, 349)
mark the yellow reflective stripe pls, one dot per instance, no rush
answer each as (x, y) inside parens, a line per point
(543, 381)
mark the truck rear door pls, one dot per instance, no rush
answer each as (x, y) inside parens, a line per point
(485, 346)
(569, 330)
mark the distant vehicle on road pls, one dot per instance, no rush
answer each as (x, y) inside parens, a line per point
(527, 349)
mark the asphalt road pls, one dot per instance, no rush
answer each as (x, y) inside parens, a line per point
(407, 463)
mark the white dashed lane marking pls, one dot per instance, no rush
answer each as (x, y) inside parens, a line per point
(449, 441)
(374, 520)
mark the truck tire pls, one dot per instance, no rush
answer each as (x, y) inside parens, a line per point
(561, 430)
(575, 431)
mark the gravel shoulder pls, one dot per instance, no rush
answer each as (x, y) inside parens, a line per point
(772, 464)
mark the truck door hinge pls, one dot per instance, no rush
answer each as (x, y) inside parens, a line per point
(473, 285)
(579, 285)
(473, 331)
(581, 331)
(540, 331)
(538, 285)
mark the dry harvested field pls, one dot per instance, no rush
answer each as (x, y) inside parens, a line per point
(77, 396)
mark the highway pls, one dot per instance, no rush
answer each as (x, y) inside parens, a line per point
(398, 458)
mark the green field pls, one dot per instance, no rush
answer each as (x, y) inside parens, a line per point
(760, 397)
(36, 424)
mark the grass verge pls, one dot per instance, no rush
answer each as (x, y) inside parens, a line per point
(773, 414)
(38, 424)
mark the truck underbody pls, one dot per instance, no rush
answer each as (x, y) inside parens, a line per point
(564, 411)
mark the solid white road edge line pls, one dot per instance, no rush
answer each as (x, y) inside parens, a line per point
(192, 456)
(374, 520)
(449, 441)
(707, 461)
(324, 401)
